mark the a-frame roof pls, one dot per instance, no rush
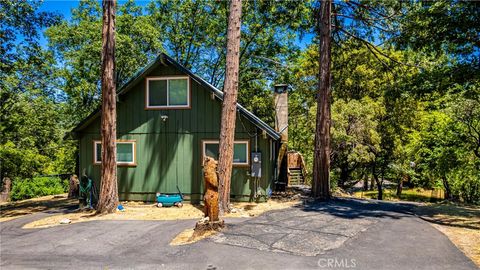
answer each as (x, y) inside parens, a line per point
(165, 59)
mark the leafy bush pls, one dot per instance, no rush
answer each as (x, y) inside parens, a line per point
(466, 185)
(37, 187)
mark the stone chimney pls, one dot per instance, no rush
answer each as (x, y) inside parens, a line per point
(281, 110)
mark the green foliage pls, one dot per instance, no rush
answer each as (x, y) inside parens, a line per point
(441, 26)
(31, 117)
(21, 162)
(446, 146)
(36, 187)
(356, 138)
(21, 19)
(408, 108)
(77, 43)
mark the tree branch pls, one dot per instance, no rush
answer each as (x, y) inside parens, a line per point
(384, 16)
(372, 46)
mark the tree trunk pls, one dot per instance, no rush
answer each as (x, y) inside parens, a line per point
(108, 197)
(344, 173)
(378, 182)
(446, 186)
(365, 183)
(400, 184)
(229, 105)
(380, 190)
(321, 163)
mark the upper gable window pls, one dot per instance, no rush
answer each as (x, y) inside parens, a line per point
(168, 93)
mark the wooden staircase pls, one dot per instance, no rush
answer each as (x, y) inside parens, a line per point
(295, 177)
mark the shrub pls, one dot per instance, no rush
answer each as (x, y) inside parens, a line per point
(37, 187)
(466, 185)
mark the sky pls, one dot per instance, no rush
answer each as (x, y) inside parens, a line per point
(64, 7)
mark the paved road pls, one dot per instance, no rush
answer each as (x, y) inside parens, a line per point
(348, 234)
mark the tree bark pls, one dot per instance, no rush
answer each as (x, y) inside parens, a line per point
(229, 105)
(378, 182)
(344, 174)
(446, 186)
(321, 163)
(400, 184)
(380, 190)
(108, 197)
(365, 183)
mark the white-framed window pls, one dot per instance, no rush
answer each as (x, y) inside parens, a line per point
(125, 152)
(167, 93)
(241, 151)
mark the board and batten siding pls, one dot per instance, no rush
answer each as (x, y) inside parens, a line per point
(170, 152)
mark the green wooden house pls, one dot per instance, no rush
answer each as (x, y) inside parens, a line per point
(168, 119)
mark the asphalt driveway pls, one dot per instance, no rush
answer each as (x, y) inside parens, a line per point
(340, 234)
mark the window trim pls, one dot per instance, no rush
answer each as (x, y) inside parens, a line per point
(235, 164)
(122, 163)
(167, 107)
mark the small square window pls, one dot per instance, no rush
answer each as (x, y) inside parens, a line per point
(240, 151)
(125, 152)
(167, 92)
(211, 150)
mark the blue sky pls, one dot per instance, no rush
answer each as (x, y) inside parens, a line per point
(65, 7)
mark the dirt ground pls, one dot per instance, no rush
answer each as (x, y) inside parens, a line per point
(186, 237)
(460, 223)
(149, 211)
(12, 210)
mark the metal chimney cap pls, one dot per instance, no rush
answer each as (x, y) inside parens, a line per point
(280, 88)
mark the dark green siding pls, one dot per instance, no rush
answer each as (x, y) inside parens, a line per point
(169, 153)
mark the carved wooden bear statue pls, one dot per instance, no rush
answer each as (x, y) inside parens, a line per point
(211, 189)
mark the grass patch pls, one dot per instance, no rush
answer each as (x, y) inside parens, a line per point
(413, 194)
